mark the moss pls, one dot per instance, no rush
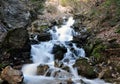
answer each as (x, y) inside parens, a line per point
(97, 52)
(2, 65)
(94, 49)
(43, 27)
(118, 69)
(81, 61)
(84, 68)
(91, 45)
(118, 30)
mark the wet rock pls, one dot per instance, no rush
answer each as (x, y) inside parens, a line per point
(61, 74)
(36, 38)
(14, 13)
(59, 51)
(82, 82)
(81, 39)
(70, 81)
(16, 47)
(11, 75)
(61, 65)
(84, 68)
(41, 69)
(44, 37)
(58, 64)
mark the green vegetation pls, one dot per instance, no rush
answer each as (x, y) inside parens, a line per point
(42, 28)
(85, 69)
(118, 30)
(2, 65)
(97, 52)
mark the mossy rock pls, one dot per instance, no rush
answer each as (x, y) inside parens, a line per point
(42, 28)
(15, 47)
(16, 38)
(96, 48)
(84, 68)
(97, 53)
(92, 46)
(118, 30)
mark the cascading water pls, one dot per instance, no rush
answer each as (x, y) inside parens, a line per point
(42, 54)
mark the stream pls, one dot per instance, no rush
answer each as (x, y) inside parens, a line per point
(42, 55)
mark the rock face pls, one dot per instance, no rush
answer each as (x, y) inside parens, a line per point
(14, 13)
(16, 47)
(11, 75)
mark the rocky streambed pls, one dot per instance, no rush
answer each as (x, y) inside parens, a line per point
(17, 34)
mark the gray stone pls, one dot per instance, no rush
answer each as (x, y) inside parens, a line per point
(15, 45)
(14, 13)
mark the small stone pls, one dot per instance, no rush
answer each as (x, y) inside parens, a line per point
(41, 69)
(69, 81)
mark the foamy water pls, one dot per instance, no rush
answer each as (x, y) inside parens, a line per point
(41, 54)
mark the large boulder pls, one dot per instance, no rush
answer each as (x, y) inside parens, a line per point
(16, 38)
(16, 47)
(59, 51)
(85, 69)
(14, 13)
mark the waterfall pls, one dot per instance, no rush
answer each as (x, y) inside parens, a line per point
(42, 54)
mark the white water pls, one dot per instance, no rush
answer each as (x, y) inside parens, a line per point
(41, 54)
